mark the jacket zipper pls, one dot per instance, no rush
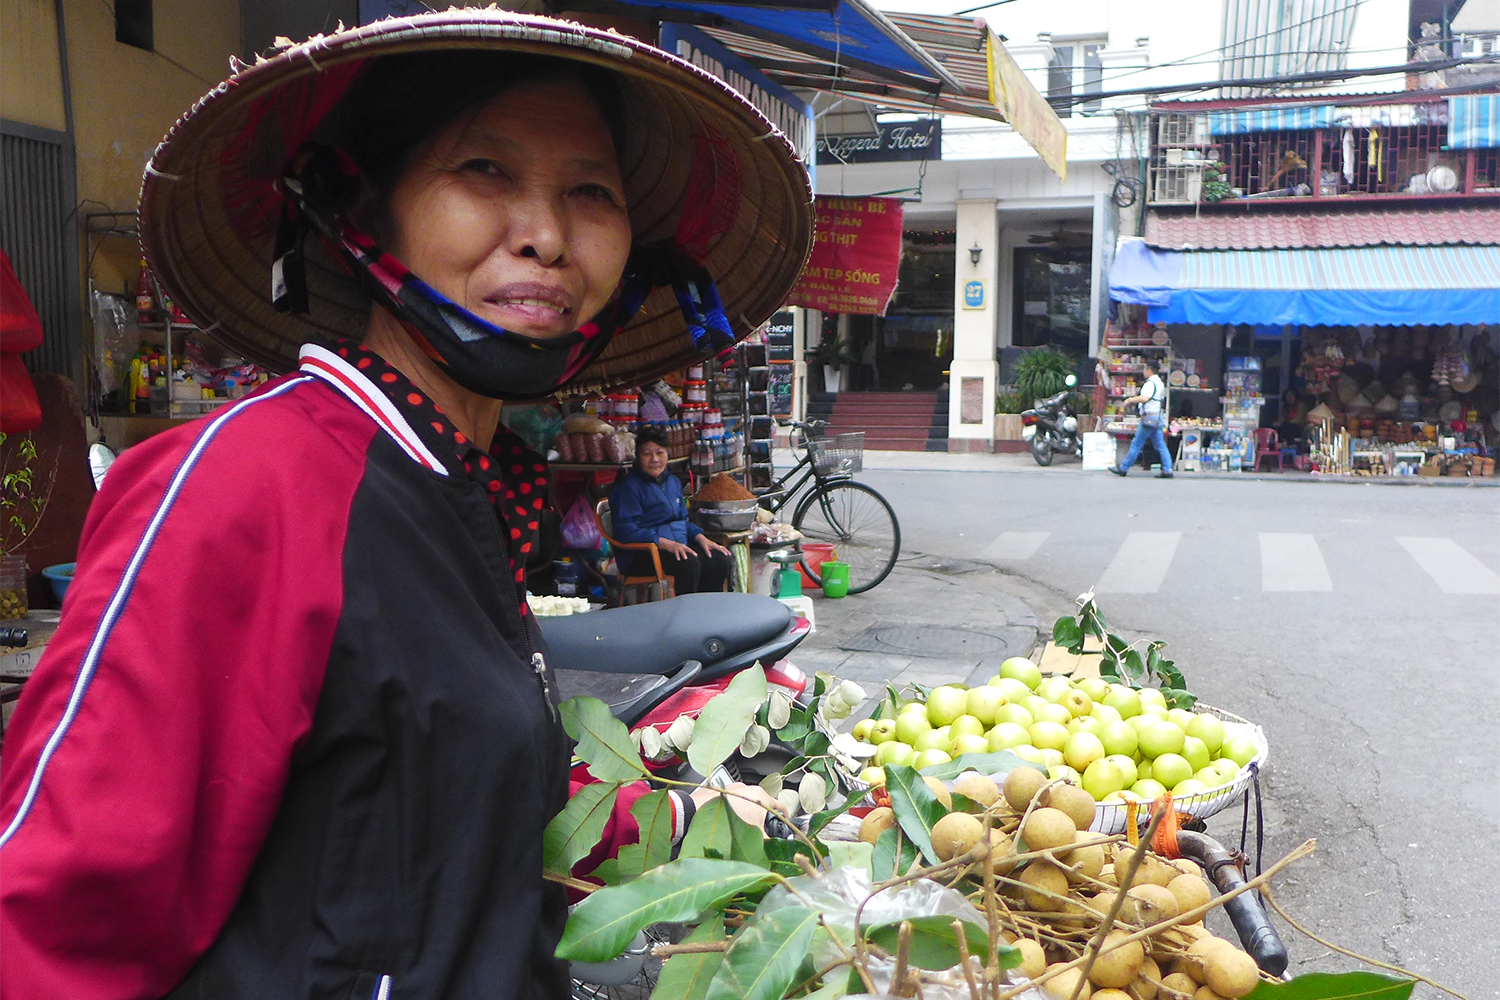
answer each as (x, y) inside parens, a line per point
(538, 661)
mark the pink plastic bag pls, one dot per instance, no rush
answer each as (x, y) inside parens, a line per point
(579, 529)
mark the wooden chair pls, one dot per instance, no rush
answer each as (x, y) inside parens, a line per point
(661, 585)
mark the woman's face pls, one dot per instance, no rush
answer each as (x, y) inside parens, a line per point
(653, 458)
(516, 211)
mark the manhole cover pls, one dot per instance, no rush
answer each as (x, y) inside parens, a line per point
(927, 640)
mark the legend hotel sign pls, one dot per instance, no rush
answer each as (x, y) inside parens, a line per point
(911, 140)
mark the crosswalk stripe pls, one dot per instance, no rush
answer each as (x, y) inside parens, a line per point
(1454, 569)
(1015, 545)
(1292, 563)
(1140, 564)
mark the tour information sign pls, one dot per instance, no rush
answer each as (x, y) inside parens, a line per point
(855, 258)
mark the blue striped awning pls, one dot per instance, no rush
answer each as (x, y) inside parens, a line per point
(1378, 286)
(1474, 122)
(1271, 119)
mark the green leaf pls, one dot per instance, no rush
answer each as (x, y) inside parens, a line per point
(686, 977)
(850, 854)
(603, 741)
(722, 723)
(922, 689)
(816, 744)
(1109, 667)
(821, 819)
(821, 680)
(1335, 986)
(1067, 633)
(1000, 762)
(709, 830)
(783, 855)
(893, 856)
(608, 871)
(653, 814)
(747, 843)
(963, 804)
(916, 808)
(1179, 698)
(575, 831)
(834, 988)
(797, 727)
(793, 765)
(763, 958)
(934, 945)
(1134, 665)
(603, 924)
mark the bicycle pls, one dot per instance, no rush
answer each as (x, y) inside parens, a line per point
(851, 516)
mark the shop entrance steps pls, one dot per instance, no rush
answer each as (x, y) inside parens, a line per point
(892, 421)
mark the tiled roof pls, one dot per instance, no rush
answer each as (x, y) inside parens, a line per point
(1264, 231)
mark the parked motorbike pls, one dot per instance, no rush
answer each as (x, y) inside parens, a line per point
(1051, 426)
(654, 662)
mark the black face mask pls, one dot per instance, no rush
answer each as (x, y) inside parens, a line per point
(319, 186)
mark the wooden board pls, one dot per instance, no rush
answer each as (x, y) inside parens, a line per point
(1057, 660)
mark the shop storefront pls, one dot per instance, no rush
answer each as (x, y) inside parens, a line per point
(1367, 361)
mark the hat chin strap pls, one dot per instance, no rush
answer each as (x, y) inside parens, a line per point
(480, 356)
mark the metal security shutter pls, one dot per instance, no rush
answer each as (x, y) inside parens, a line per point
(1284, 38)
(37, 230)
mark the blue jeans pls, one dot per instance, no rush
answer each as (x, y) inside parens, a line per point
(1138, 444)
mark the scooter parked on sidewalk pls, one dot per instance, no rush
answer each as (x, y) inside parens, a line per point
(1051, 426)
(655, 662)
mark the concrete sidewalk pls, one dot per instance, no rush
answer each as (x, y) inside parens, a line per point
(930, 622)
(1018, 464)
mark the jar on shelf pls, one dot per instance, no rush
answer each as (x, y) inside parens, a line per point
(695, 373)
(695, 391)
(13, 602)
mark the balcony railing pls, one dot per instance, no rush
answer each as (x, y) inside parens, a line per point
(1348, 163)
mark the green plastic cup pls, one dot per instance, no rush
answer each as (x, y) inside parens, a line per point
(835, 578)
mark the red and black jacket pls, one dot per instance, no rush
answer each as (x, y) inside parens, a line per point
(291, 738)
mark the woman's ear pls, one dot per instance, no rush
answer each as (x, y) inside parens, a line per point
(368, 213)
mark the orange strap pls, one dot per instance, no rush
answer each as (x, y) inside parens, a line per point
(1165, 841)
(1132, 830)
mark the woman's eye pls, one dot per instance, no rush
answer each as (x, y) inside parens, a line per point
(481, 166)
(596, 191)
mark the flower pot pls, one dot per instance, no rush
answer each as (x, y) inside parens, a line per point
(831, 375)
(1007, 427)
(13, 602)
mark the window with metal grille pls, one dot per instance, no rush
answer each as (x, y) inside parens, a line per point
(37, 233)
(1363, 161)
(1076, 67)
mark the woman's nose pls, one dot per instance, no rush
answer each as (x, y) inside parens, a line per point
(538, 228)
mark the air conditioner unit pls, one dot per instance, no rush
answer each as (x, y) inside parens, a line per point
(1182, 183)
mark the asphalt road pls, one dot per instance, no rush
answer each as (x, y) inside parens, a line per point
(1359, 624)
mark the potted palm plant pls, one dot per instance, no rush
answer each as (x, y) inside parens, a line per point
(832, 353)
(24, 493)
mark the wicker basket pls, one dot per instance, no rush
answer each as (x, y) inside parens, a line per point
(839, 454)
(1109, 817)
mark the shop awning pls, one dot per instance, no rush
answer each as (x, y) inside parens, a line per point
(1378, 286)
(1271, 119)
(848, 32)
(1474, 122)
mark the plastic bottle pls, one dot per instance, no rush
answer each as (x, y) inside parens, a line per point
(145, 296)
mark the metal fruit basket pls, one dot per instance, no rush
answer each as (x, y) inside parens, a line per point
(1110, 817)
(838, 454)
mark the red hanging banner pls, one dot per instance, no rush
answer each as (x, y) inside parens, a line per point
(855, 259)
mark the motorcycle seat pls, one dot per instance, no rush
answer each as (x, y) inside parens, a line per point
(657, 638)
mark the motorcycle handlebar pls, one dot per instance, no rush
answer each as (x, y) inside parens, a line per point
(1250, 921)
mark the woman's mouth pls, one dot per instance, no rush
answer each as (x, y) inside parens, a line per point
(531, 307)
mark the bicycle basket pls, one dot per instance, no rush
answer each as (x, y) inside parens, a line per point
(839, 454)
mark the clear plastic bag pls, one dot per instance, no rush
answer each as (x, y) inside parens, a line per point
(838, 895)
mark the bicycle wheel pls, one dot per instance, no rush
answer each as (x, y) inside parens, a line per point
(858, 523)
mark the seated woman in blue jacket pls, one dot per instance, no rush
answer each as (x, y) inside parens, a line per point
(646, 505)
